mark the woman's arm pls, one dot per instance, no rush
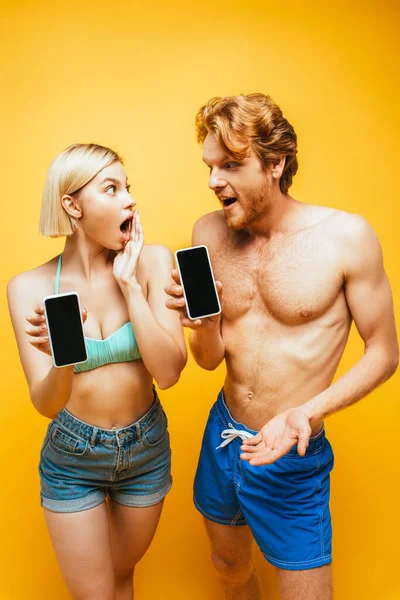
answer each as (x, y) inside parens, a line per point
(49, 387)
(158, 330)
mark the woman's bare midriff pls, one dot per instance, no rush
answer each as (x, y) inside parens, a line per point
(114, 395)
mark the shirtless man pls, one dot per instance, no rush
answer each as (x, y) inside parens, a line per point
(293, 277)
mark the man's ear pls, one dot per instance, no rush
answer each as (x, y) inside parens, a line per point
(277, 169)
(72, 206)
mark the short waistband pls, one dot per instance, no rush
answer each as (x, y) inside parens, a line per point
(314, 442)
(129, 433)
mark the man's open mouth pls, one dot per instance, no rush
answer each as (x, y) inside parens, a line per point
(228, 201)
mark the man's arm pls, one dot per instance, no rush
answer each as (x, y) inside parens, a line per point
(207, 346)
(370, 302)
(205, 340)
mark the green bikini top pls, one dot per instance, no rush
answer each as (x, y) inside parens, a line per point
(120, 346)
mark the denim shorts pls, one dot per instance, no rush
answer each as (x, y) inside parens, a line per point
(81, 464)
(286, 504)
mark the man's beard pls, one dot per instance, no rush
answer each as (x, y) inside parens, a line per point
(255, 208)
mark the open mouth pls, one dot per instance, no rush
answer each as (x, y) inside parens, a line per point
(229, 201)
(126, 226)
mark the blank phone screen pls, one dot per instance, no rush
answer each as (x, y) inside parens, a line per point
(65, 329)
(197, 280)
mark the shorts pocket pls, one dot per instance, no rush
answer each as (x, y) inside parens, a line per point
(67, 443)
(45, 442)
(156, 432)
(315, 447)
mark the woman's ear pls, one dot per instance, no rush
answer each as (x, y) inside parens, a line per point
(72, 206)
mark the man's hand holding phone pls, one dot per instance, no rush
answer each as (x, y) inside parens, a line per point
(197, 297)
(177, 302)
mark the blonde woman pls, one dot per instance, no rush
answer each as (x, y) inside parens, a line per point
(105, 461)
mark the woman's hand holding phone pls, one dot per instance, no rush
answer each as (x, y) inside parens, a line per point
(37, 329)
(177, 302)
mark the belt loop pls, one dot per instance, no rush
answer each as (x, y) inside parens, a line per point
(93, 438)
(138, 432)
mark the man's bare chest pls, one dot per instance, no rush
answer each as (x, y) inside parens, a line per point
(290, 282)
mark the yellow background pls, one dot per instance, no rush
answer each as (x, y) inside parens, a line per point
(132, 75)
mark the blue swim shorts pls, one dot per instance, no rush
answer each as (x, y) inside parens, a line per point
(286, 504)
(80, 465)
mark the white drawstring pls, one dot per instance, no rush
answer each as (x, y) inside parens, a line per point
(231, 434)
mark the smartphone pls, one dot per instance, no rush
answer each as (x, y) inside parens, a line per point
(65, 325)
(198, 282)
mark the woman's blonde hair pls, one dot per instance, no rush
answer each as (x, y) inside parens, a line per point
(252, 122)
(70, 171)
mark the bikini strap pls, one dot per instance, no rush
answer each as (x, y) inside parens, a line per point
(57, 279)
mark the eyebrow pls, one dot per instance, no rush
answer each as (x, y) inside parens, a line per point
(223, 158)
(113, 180)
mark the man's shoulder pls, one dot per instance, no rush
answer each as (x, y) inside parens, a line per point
(350, 227)
(209, 227)
(356, 244)
(213, 219)
(334, 221)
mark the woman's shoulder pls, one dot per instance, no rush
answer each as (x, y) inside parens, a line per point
(156, 253)
(156, 261)
(37, 280)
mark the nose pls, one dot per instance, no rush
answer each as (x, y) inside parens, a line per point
(129, 202)
(216, 181)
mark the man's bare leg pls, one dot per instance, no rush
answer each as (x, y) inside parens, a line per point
(232, 558)
(313, 584)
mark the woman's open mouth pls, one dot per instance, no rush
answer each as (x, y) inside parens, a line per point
(126, 227)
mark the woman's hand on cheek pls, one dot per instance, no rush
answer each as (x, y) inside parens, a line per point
(126, 261)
